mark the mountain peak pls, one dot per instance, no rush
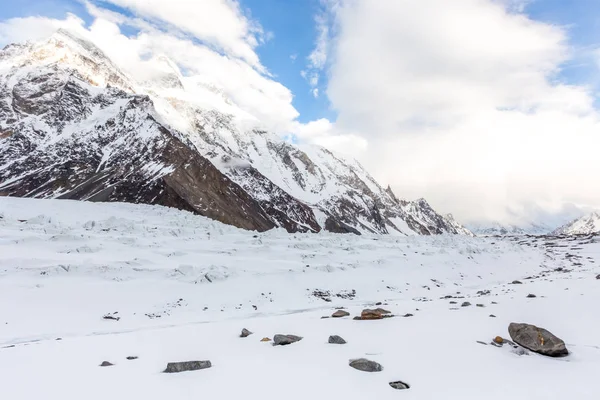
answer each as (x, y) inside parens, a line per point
(587, 225)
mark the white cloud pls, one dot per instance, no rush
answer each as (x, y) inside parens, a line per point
(460, 103)
(17, 30)
(219, 23)
(324, 133)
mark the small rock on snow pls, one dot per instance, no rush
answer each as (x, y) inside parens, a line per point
(362, 364)
(340, 314)
(282, 340)
(465, 304)
(399, 385)
(187, 366)
(335, 339)
(245, 333)
(106, 364)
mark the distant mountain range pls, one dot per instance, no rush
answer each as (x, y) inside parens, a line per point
(73, 125)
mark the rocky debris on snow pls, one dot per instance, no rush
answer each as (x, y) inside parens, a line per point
(465, 304)
(265, 339)
(492, 316)
(283, 340)
(362, 364)
(326, 295)
(408, 315)
(538, 340)
(531, 296)
(516, 283)
(598, 276)
(399, 385)
(106, 364)
(245, 333)
(132, 358)
(112, 316)
(335, 339)
(340, 314)
(480, 305)
(183, 366)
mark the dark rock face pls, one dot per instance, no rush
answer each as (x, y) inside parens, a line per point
(337, 226)
(538, 340)
(362, 364)
(335, 339)
(183, 366)
(283, 340)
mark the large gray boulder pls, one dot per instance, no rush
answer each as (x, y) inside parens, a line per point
(362, 364)
(538, 340)
(282, 340)
(187, 366)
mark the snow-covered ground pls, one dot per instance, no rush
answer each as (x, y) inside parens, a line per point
(184, 287)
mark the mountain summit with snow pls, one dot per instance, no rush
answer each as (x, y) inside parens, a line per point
(74, 125)
(586, 225)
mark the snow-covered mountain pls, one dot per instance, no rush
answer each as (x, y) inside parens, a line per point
(496, 228)
(74, 125)
(586, 225)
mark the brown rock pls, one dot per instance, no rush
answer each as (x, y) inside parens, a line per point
(367, 314)
(340, 314)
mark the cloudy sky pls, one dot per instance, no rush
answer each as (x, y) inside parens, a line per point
(487, 108)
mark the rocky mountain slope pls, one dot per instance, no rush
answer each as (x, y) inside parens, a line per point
(74, 125)
(586, 225)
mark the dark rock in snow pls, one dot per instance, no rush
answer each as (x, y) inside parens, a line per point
(132, 358)
(399, 385)
(531, 296)
(340, 314)
(362, 364)
(465, 304)
(492, 316)
(538, 340)
(106, 364)
(183, 366)
(335, 339)
(283, 340)
(245, 333)
(517, 282)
